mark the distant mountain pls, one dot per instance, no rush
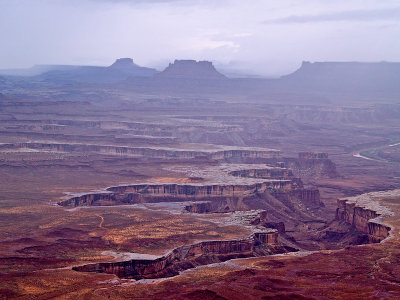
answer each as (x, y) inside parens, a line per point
(36, 70)
(311, 83)
(181, 77)
(190, 69)
(346, 77)
(120, 70)
(316, 82)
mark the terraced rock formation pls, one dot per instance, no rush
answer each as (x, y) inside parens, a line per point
(187, 257)
(311, 165)
(268, 187)
(213, 153)
(361, 212)
(365, 215)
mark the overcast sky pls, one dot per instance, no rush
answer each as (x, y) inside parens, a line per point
(266, 37)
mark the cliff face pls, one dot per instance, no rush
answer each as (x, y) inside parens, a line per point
(311, 165)
(165, 153)
(200, 208)
(264, 173)
(186, 257)
(310, 197)
(267, 238)
(279, 193)
(142, 193)
(202, 190)
(244, 154)
(221, 247)
(364, 215)
(102, 199)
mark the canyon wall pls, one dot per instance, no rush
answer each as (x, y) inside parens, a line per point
(364, 216)
(244, 154)
(200, 208)
(311, 165)
(202, 190)
(263, 173)
(166, 153)
(310, 197)
(142, 193)
(186, 257)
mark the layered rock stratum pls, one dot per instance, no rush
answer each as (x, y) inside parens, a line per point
(366, 215)
(187, 257)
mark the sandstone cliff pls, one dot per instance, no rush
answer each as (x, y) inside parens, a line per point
(142, 193)
(365, 214)
(187, 257)
(264, 173)
(200, 208)
(311, 165)
(223, 153)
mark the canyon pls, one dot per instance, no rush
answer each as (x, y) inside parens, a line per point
(273, 188)
(276, 185)
(187, 257)
(187, 184)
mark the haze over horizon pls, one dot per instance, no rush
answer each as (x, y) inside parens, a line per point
(264, 38)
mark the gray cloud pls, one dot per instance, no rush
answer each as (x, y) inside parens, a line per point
(392, 14)
(155, 2)
(139, 1)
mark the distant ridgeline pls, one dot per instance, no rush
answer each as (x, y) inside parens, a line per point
(358, 77)
(318, 81)
(120, 70)
(312, 82)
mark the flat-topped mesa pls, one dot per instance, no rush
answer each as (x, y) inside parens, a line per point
(207, 198)
(190, 69)
(261, 243)
(124, 63)
(148, 193)
(376, 78)
(222, 193)
(311, 165)
(365, 214)
(311, 197)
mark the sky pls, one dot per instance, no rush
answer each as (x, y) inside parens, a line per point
(261, 37)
